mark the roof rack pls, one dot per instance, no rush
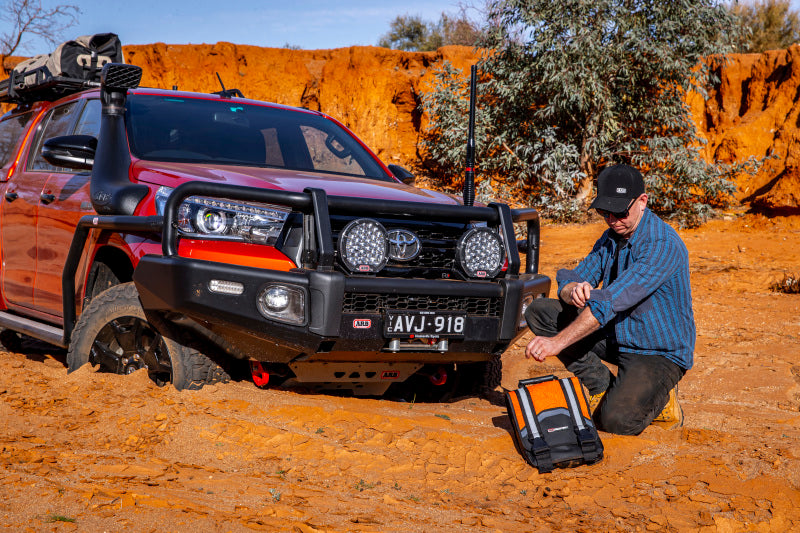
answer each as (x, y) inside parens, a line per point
(14, 89)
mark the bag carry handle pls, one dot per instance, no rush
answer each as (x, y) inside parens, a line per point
(535, 381)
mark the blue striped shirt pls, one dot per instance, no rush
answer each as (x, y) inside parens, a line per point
(649, 304)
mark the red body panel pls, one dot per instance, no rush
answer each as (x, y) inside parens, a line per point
(174, 174)
(236, 253)
(36, 234)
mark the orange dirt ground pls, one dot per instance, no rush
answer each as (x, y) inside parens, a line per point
(97, 452)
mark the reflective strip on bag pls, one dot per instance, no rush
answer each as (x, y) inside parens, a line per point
(528, 408)
(569, 392)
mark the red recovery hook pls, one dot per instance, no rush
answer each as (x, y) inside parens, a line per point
(260, 376)
(440, 377)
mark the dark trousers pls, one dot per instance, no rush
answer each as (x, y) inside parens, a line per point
(638, 392)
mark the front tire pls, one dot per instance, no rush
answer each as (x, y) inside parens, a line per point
(114, 334)
(478, 379)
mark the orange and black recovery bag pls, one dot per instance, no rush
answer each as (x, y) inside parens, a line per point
(552, 424)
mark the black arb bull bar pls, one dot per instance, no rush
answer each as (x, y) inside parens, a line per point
(171, 283)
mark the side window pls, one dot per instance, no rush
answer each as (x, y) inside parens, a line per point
(89, 121)
(57, 122)
(10, 131)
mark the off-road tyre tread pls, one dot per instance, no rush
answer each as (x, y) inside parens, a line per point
(478, 379)
(493, 373)
(191, 369)
(198, 368)
(199, 371)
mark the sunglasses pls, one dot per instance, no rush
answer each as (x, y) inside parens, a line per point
(619, 216)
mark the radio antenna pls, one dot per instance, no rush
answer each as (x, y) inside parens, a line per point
(227, 93)
(469, 172)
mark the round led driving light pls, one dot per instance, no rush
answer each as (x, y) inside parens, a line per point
(363, 245)
(481, 253)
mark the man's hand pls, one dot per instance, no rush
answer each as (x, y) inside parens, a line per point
(576, 293)
(542, 347)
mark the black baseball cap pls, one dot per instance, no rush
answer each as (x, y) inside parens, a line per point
(617, 185)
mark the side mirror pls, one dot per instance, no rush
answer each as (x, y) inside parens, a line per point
(402, 174)
(71, 151)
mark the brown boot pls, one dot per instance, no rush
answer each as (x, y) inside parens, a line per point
(671, 417)
(594, 401)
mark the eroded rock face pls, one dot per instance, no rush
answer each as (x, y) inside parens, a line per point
(755, 110)
(373, 91)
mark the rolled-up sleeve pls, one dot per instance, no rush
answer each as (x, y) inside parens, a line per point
(590, 269)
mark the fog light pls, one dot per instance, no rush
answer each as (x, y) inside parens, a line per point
(225, 287)
(285, 303)
(526, 301)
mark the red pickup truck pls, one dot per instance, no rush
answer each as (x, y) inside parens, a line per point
(181, 232)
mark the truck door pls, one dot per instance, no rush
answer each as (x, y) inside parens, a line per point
(12, 131)
(20, 215)
(64, 200)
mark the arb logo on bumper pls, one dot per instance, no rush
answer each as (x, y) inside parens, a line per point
(362, 323)
(390, 374)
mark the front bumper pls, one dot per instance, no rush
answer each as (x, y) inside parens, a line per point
(335, 305)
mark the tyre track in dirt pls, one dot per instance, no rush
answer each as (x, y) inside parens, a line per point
(117, 452)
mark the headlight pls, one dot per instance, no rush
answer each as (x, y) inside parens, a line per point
(363, 245)
(225, 219)
(481, 253)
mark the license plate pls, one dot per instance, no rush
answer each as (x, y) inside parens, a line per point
(424, 324)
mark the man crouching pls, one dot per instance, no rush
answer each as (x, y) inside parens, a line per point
(641, 319)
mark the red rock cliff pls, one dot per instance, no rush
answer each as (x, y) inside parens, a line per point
(374, 91)
(755, 110)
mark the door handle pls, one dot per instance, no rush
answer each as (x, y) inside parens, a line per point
(11, 196)
(46, 197)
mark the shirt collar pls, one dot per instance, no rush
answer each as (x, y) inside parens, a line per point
(641, 228)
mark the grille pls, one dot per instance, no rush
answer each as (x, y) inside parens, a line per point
(123, 76)
(438, 241)
(378, 303)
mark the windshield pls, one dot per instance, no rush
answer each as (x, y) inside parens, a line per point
(175, 128)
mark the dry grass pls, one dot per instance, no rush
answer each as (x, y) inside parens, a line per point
(790, 284)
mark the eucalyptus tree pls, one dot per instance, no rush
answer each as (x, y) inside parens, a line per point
(568, 87)
(412, 33)
(771, 24)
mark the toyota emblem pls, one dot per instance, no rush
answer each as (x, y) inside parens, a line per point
(403, 245)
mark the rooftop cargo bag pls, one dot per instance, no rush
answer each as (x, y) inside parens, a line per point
(552, 424)
(81, 59)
